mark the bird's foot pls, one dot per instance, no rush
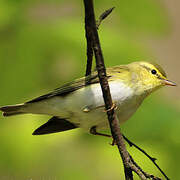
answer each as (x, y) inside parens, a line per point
(114, 106)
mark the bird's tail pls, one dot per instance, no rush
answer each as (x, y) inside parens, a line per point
(12, 110)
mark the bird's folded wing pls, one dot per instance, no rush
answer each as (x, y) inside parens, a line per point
(79, 83)
(69, 87)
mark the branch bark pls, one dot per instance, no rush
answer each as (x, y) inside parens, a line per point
(88, 32)
(113, 120)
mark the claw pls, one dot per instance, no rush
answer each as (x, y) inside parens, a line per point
(112, 107)
(113, 143)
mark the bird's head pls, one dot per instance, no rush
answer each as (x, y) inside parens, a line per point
(148, 77)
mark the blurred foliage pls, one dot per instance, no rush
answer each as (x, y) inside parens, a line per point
(42, 46)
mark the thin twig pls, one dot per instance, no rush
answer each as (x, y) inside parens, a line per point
(89, 37)
(89, 43)
(146, 154)
(103, 16)
(144, 173)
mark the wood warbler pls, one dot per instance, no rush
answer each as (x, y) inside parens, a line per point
(76, 105)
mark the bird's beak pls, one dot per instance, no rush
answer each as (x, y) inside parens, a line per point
(169, 83)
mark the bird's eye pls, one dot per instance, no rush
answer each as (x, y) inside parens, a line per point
(153, 71)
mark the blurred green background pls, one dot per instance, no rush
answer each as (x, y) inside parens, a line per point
(42, 46)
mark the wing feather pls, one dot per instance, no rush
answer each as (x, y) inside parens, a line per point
(79, 83)
(68, 88)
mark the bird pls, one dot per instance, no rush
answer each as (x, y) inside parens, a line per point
(78, 104)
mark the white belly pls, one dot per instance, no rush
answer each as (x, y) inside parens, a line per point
(86, 105)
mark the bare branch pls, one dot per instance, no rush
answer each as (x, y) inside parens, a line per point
(89, 51)
(143, 174)
(89, 42)
(113, 121)
(146, 154)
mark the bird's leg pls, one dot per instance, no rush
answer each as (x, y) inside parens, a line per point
(94, 132)
(87, 109)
